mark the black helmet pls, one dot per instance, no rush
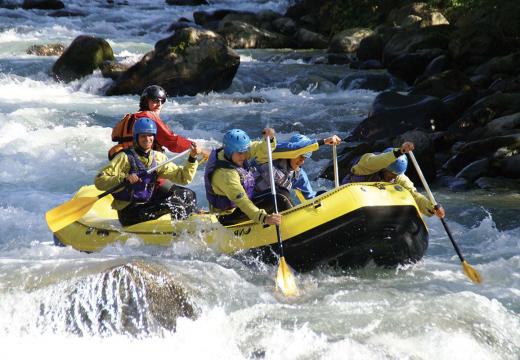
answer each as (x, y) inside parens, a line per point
(154, 92)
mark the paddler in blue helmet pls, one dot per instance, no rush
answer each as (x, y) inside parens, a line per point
(230, 183)
(141, 199)
(390, 166)
(287, 167)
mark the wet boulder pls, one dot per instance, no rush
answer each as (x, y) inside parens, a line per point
(113, 69)
(393, 114)
(370, 48)
(187, 2)
(43, 4)
(509, 64)
(417, 14)
(203, 18)
(424, 153)
(284, 25)
(84, 55)
(496, 147)
(408, 41)
(504, 125)
(131, 299)
(483, 111)
(409, 66)
(306, 39)
(189, 62)
(347, 41)
(444, 84)
(379, 81)
(241, 35)
(46, 49)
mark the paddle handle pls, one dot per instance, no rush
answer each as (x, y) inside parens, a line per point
(432, 199)
(149, 171)
(273, 191)
(335, 163)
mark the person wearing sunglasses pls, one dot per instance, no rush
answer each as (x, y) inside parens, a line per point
(150, 106)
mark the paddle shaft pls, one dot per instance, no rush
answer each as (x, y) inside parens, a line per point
(273, 191)
(432, 199)
(149, 171)
(335, 163)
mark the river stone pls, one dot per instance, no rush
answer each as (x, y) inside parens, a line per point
(393, 114)
(409, 66)
(497, 146)
(113, 69)
(483, 111)
(190, 61)
(187, 2)
(453, 183)
(444, 84)
(84, 55)
(510, 166)
(370, 48)
(43, 4)
(46, 50)
(504, 125)
(131, 299)
(347, 41)
(285, 25)
(380, 81)
(241, 35)
(509, 64)
(424, 153)
(306, 39)
(496, 183)
(412, 40)
(475, 170)
(418, 13)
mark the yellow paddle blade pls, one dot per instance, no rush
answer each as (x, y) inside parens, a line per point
(65, 214)
(285, 279)
(471, 272)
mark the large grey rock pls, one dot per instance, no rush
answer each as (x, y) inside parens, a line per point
(84, 55)
(190, 61)
(412, 40)
(46, 49)
(444, 84)
(393, 113)
(241, 35)
(347, 41)
(504, 125)
(416, 14)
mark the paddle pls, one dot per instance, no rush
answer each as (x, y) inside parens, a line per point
(335, 162)
(284, 276)
(468, 269)
(65, 214)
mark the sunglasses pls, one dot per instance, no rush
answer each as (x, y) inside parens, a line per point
(161, 100)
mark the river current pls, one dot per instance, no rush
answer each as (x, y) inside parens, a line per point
(54, 138)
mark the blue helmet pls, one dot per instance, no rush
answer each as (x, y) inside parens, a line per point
(400, 164)
(299, 141)
(235, 140)
(144, 125)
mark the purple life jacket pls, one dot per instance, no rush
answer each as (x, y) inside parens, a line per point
(141, 191)
(246, 179)
(352, 178)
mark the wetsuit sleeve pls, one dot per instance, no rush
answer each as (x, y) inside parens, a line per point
(165, 137)
(181, 175)
(371, 163)
(303, 184)
(227, 182)
(113, 173)
(258, 150)
(424, 204)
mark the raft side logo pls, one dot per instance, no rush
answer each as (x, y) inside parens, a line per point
(240, 232)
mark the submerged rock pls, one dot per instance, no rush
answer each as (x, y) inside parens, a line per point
(134, 298)
(46, 49)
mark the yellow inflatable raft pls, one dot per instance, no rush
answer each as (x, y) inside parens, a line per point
(346, 227)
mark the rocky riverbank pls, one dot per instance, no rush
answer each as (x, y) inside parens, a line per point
(449, 79)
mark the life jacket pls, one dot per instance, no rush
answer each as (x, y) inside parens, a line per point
(123, 134)
(246, 179)
(353, 178)
(282, 172)
(141, 191)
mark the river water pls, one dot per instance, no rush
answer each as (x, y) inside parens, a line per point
(55, 136)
